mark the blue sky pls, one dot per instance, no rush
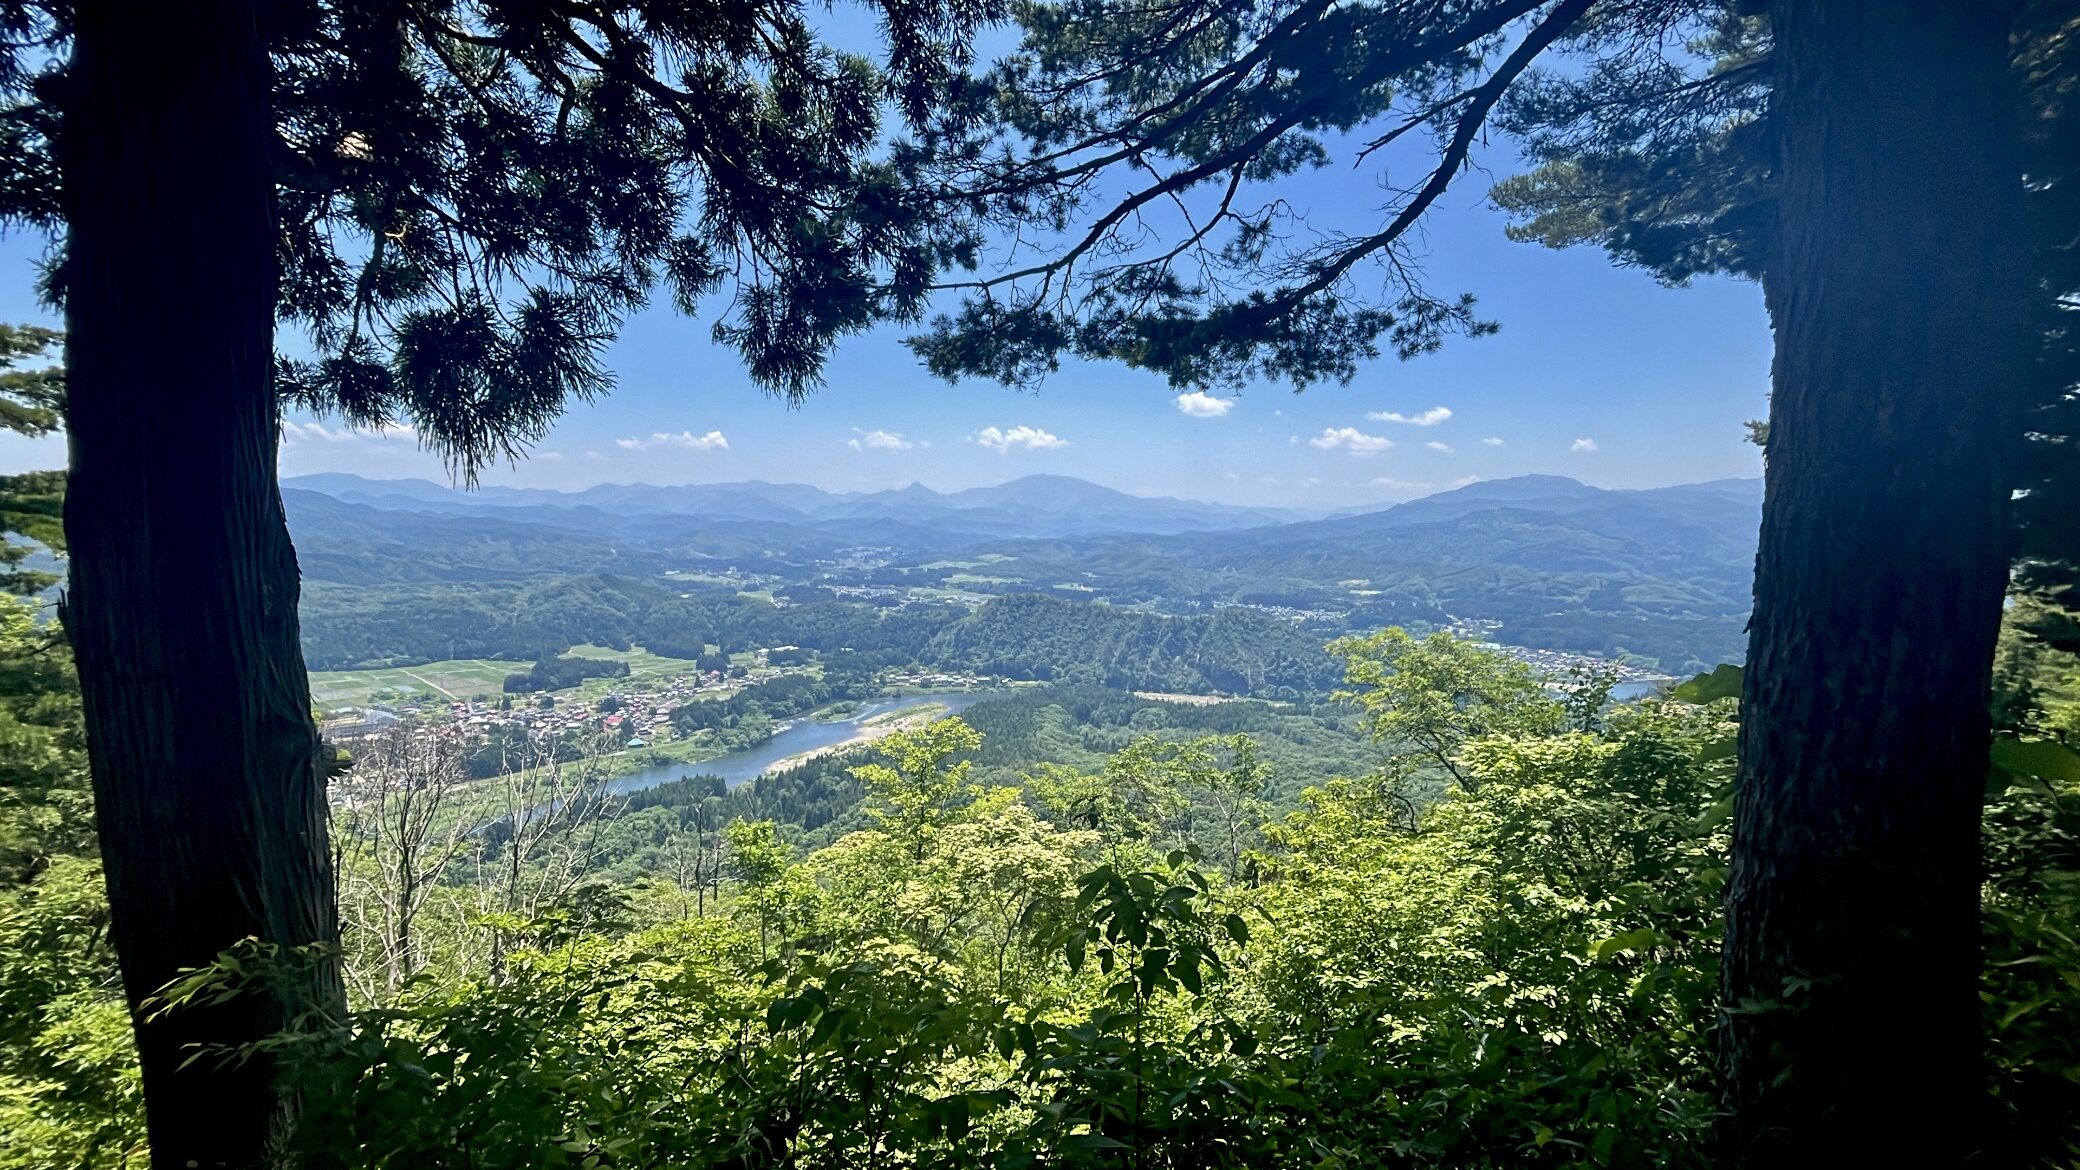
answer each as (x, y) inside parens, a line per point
(1597, 373)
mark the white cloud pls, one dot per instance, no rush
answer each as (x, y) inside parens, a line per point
(1350, 439)
(1463, 480)
(1200, 404)
(313, 432)
(1031, 438)
(294, 432)
(1491, 441)
(548, 456)
(1583, 446)
(1428, 418)
(1399, 484)
(1436, 446)
(878, 440)
(712, 441)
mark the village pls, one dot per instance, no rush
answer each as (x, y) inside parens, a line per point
(636, 711)
(640, 707)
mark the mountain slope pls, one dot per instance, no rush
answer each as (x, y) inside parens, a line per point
(1662, 575)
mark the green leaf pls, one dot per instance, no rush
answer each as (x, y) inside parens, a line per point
(1188, 974)
(2045, 759)
(1718, 813)
(1631, 940)
(1724, 682)
(1723, 748)
(2020, 1010)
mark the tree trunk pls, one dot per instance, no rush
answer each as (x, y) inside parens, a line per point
(182, 601)
(1897, 286)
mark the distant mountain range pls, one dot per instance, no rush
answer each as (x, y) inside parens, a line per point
(1661, 574)
(1033, 506)
(1552, 523)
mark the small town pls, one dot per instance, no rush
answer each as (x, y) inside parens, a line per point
(636, 711)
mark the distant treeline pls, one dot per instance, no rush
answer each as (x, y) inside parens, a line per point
(817, 799)
(779, 698)
(407, 624)
(1235, 651)
(558, 672)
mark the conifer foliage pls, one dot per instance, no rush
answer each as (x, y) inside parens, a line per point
(30, 399)
(472, 195)
(445, 209)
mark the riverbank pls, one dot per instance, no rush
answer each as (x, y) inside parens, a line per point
(807, 738)
(867, 731)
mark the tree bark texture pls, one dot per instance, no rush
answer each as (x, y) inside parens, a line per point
(183, 591)
(1897, 286)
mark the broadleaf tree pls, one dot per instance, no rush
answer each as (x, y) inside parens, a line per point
(1145, 139)
(1672, 172)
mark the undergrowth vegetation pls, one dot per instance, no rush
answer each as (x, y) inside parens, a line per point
(1141, 965)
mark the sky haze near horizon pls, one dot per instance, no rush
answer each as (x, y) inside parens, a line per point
(1597, 373)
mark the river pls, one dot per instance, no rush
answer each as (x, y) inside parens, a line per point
(806, 735)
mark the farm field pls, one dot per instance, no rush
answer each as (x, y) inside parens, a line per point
(468, 678)
(642, 666)
(641, 663)
(455, 678)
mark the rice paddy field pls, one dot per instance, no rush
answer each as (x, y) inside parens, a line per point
(465, 678)
(456, 678)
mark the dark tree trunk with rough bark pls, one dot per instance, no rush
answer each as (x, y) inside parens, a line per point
(1897, 285)
(182, 601)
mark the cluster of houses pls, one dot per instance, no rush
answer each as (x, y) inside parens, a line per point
(642, 712)
(941, 680)
(1290, 613)
(1557, 663)
(866, 592)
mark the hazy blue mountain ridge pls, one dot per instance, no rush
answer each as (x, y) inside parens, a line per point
(1660, 574)
(1035, 505)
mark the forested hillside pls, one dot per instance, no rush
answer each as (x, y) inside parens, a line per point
(1232, 651)
(1024, 732)
(1659, 577)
